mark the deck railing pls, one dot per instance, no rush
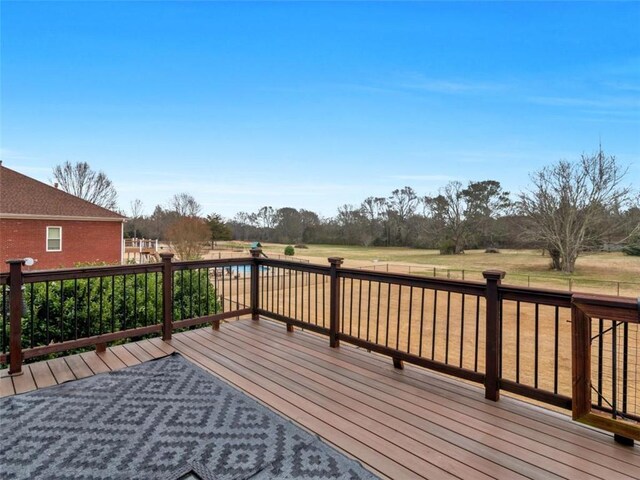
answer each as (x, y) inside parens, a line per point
(141, 243)
(509, 338)
(54, 311)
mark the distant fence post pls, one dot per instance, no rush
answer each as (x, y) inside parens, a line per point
(255, 285)
(334, 301)
(167, 295)
(493, 347)
(15, 316)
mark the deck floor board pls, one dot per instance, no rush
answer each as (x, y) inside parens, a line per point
(560, 443)
(95, 363)
(42, 375)
(25, 382)
(507, 439)
(61, 370)
(534, 417)
(78, 366)
(335, 397)
(6, 387)
(410, 423)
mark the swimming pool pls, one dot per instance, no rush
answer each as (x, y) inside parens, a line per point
(242, 270)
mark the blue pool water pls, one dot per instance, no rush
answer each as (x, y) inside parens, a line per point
(243, 270)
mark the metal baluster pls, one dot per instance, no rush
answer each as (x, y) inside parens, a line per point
(386, 340)
(477, 345)
(435, 317)
(75, 307)
(31, 315)
(378, 312)
(556, 349)
(100, 306)
(536, 346)
(421, 321)
(88, 324)
(600, 359)
(46, 296)
(518, 341)
(614, 370)
(462, 331)
(446, 342)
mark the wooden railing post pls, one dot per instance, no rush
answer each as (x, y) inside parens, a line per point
(580, 363)
(493, 347)
(255, 283)
(620, 311)
(167, 295)
(334, 301)
(15, 316)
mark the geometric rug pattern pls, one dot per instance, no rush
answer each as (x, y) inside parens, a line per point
(165, 419)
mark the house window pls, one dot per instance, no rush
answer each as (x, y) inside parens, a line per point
(54, 239)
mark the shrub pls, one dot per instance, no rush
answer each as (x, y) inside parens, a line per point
(69, 309)
(632, 249)
(447, 247)
(289, 251)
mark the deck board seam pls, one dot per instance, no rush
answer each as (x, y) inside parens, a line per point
(399, 428)
(294, 377)
(272, 407)
(278, 392)
(573, 429)
(521, 435)
(525, 434)
(516, 442)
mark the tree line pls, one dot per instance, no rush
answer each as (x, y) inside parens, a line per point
(568, 208)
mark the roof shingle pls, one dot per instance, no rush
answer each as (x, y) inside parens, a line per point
(22, 195)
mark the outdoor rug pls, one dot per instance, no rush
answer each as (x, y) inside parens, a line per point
(164, 419)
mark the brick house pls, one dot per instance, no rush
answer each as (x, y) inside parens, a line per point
(55, 228)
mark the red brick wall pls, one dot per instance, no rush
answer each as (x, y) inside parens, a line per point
(82, 241)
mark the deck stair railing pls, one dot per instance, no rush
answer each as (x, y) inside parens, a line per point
(506, 338)
(141, 244)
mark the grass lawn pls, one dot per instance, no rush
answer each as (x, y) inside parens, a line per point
(522, 266)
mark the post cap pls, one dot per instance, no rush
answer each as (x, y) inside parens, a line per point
(493, 274)
(166, 256)
(14, 261)
(337, 261)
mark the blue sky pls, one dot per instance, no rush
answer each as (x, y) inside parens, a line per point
(313, 105)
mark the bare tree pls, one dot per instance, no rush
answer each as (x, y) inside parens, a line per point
(569, 203)
(136, 208)
(447, 212)
(136, 214)
(266, 217)
(401, 206)
(185, 205)
(80, 180)
(187, 235)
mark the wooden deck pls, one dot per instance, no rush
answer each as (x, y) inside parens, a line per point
(73, 367)
(399, 424)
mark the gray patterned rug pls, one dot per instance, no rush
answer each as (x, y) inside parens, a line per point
(165, 419)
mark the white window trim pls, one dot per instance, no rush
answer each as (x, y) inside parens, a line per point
(47, 240)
